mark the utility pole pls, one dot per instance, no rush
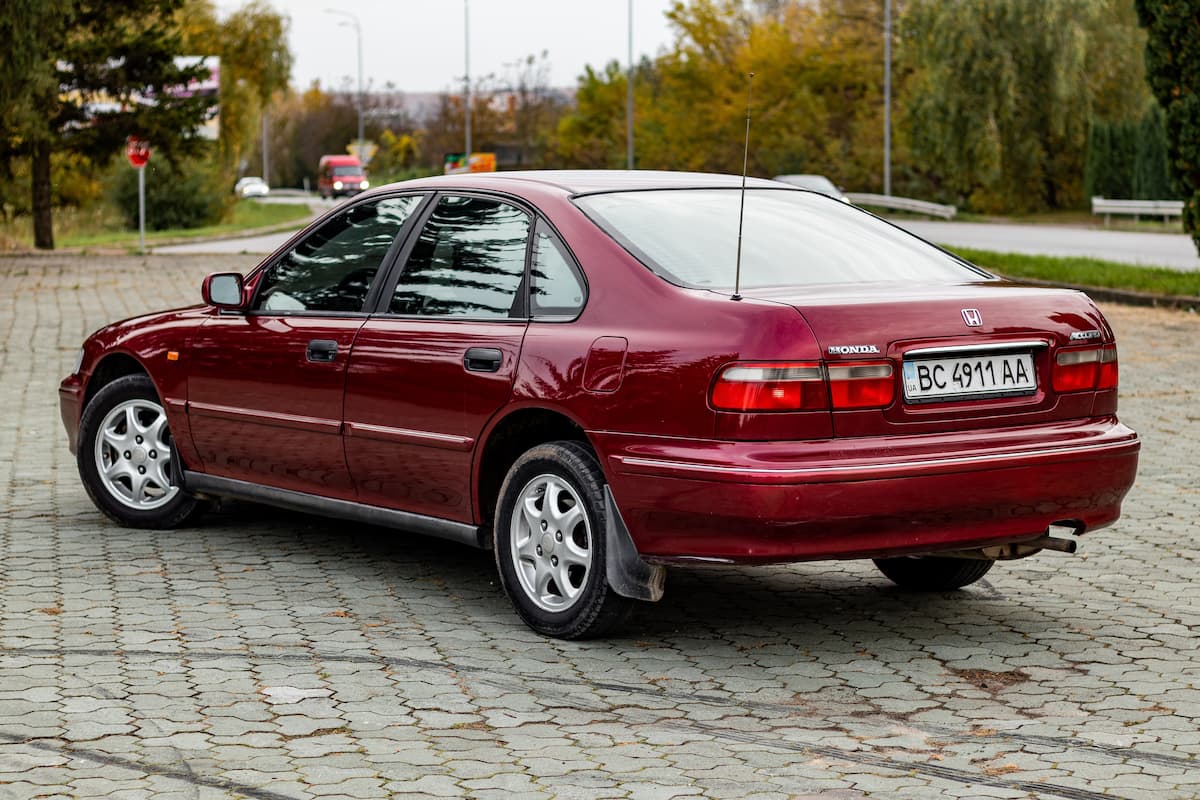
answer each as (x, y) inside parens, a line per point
(887, 97)
(266, 176)
(629, 97)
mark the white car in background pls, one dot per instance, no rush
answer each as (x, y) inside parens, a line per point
(815, 183)
(251, 186)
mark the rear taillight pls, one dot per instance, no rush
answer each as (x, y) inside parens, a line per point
(803, 386)
(770, 387)
(866, 384)
(1085, 369)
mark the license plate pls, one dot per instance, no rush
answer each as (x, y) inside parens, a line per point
(968, 377)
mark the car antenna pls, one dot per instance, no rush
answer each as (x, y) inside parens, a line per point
(737, 276)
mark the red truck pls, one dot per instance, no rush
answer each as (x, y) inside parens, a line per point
(341, 176)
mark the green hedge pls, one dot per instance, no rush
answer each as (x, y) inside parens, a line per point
(1128, 160)
(188, 195)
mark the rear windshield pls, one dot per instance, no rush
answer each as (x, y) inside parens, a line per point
(789, 238)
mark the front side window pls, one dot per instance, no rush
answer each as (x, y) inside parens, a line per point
(469, 261)
(332, 268)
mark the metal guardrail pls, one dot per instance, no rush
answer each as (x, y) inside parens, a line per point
(1150, 208)
(902, 204)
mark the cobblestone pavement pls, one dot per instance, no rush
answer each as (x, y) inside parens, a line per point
(274, 655)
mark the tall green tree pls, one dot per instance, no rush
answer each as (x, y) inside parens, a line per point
(89, 75)
(1003, 93)
(1173, 69)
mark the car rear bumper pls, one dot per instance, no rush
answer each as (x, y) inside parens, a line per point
(866, 497)
(70, 406)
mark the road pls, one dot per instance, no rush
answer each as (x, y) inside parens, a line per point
(270, 655)
(1156, 249)
(1149, 249)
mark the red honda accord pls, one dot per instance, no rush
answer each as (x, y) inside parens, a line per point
(600, 374)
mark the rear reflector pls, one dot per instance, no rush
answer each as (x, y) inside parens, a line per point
(867, 384)
(770, 387)
(1085, 369)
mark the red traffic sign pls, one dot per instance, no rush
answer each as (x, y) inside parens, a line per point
(137, 151)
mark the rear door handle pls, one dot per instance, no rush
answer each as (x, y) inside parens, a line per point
(322, 350)
(483, 359)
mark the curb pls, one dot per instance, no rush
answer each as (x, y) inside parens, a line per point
(1124, 296)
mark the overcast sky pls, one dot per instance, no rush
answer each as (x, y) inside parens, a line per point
(418, 44)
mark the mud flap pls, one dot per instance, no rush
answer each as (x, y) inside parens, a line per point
(628, 575)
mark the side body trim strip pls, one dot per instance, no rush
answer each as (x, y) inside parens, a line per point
(472, 535)
(406, 436)
(316, 424)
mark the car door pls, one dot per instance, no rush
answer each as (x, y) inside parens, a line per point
(438, 361)
(265, 387)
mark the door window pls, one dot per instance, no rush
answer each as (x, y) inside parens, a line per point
(469, 261)
(333, 267)
(556, 289)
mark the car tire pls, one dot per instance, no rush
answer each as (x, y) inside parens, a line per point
(125, 455)
(933, 573)
(551, 558)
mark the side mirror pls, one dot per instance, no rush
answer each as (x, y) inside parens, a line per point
(223, 290)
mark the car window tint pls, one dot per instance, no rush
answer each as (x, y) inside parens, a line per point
(791, 238)
(468, 261)
(332, 269)
(555, 287)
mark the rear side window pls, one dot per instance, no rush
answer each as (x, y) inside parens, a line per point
(790, 238)
(469, 261)
(556, 288)
(332, 268)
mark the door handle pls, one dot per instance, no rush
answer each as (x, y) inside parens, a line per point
(322, 350)
(483, 359)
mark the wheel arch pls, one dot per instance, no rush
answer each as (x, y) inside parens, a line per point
(503, 443)
(111, 366)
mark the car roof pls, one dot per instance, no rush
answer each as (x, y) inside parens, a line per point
(593, 181)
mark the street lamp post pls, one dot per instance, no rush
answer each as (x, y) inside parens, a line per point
(354, 23)
(467, 76)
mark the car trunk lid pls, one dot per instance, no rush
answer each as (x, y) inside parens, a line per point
(928, 331)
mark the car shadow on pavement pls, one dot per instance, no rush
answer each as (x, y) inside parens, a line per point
(840, 606)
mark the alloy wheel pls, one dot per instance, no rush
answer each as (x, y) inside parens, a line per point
(551, 543)
(133, 455)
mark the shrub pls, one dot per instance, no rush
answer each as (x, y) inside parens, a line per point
(184, 195)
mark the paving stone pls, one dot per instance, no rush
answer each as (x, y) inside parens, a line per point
(140, 663)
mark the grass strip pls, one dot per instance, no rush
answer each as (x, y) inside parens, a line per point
(245, 216)
(1082, 271)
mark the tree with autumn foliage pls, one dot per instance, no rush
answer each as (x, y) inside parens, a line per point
(818, 94)
(256, 65)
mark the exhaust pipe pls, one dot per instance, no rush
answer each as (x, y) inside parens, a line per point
(1009, 552)
(1048, 542)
